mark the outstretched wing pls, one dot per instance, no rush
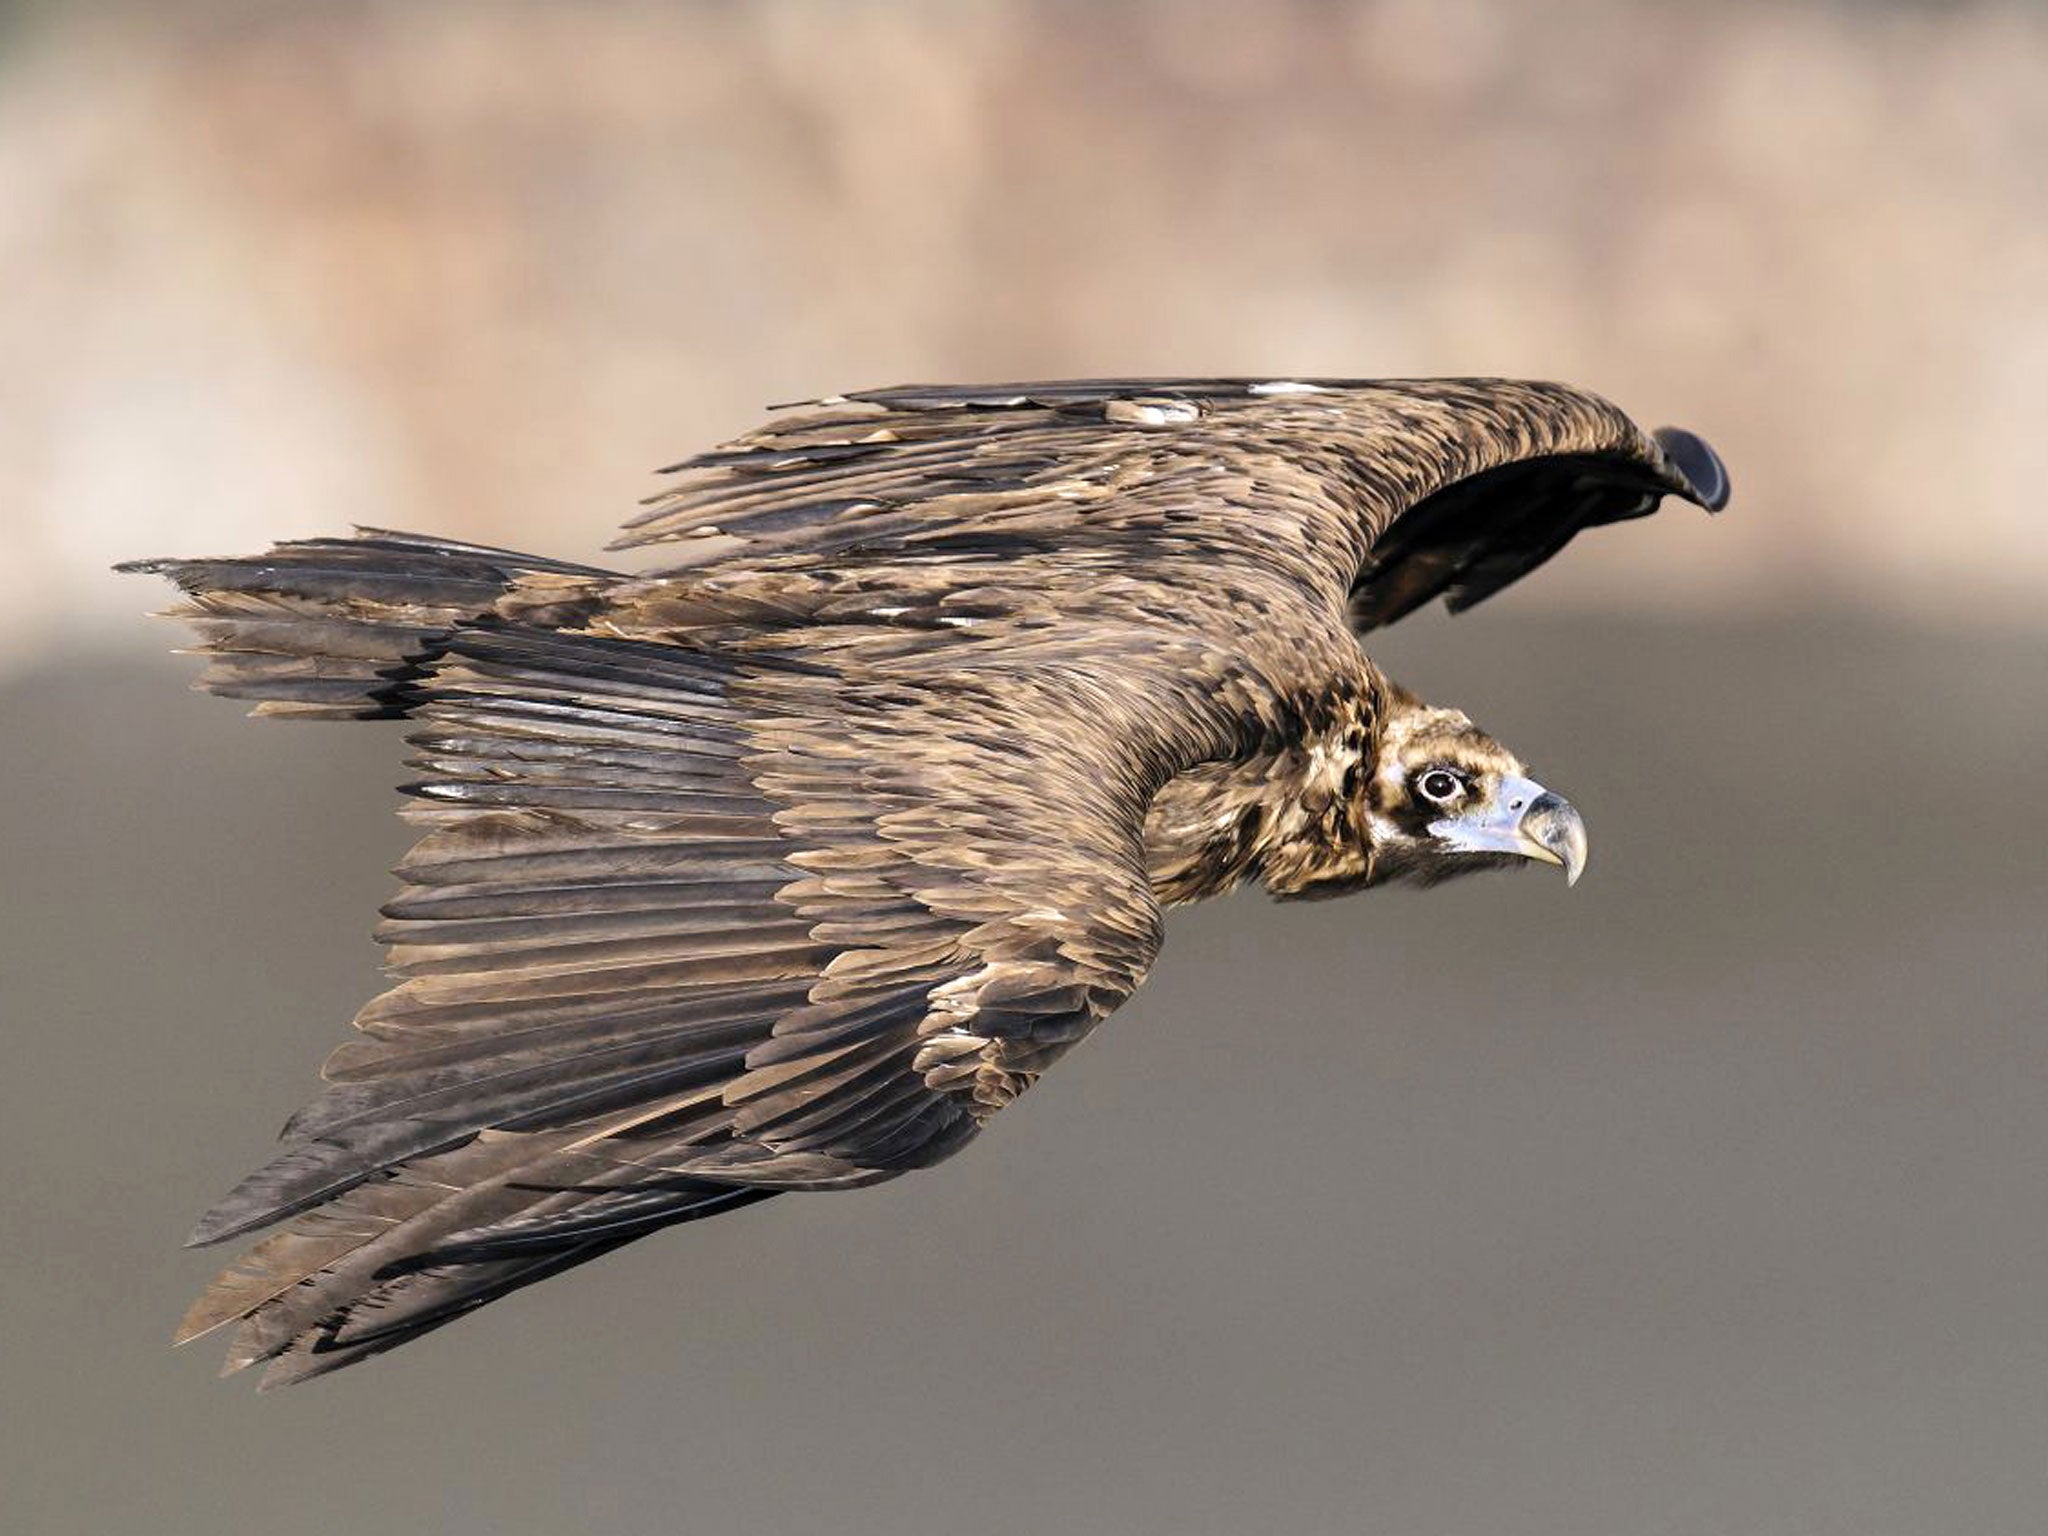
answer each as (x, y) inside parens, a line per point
(685, 929)
(1388, 493)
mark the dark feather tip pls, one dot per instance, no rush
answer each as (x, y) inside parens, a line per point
(1700, 466)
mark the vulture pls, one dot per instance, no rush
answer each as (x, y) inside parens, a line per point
(788, 864)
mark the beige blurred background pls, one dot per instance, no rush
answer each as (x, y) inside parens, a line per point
(1708, 1197)
(480, 267)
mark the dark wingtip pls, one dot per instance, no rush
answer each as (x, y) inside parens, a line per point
(1699, 466)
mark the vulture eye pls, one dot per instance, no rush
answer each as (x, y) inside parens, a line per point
(1440, 785)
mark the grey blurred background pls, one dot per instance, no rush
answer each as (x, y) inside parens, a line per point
(1706, 1197)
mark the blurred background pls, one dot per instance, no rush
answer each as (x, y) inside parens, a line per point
(1705, 1198)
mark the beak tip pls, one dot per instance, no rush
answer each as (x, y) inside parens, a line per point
(1573, 853)
(1555, 827)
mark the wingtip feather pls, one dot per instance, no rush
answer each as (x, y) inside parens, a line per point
(209, 1229)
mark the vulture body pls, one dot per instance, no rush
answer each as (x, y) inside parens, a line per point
(787, 865)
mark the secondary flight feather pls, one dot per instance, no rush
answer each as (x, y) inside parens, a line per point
(788, 864)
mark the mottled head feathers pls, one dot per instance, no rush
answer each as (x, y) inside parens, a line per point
(1444, 799)
(1387, 789)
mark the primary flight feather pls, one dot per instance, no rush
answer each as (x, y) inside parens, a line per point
(787, 865)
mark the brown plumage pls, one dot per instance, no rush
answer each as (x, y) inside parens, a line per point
(788, 865)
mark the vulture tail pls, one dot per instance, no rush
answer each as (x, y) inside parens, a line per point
(431, 1241)
(344, 629)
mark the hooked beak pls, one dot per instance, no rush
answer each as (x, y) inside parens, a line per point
(1525, 819)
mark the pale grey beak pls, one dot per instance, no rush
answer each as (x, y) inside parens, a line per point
(1526, 819)
(1552, 829)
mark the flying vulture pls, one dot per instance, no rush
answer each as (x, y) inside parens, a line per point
(789, 864)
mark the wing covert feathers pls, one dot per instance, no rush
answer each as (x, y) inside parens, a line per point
(1394, 491)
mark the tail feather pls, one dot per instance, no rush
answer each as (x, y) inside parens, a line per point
(421, 1294)
(434, 1240)
(346, 628)
(423, 1302)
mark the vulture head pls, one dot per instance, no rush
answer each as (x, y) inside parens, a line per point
(1445, 799)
